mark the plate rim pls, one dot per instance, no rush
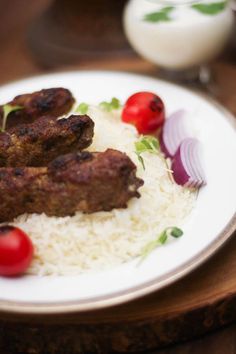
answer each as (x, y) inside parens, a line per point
(158, 283)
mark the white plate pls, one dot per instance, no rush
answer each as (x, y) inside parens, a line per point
(209, 226)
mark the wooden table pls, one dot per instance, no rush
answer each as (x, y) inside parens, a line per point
(209, 292)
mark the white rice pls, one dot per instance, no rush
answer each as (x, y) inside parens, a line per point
(71, 245)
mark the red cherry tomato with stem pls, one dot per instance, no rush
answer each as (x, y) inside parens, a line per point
(16, 251)
(145, 110)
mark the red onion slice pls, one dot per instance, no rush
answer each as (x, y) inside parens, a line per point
(173, 133)
(186, 164)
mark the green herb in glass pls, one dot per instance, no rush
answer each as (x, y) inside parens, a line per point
(7, 109)
(159, 16)
(210, 8)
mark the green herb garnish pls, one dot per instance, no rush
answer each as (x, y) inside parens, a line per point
(176, 232)
(159, 16)
(160, 240)
(82, 108)
(141, 160)
(147, 143)
(109, 106)
(7, 109)
(210, 8)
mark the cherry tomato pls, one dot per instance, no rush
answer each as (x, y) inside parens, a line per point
(16, 251)
(145, 110)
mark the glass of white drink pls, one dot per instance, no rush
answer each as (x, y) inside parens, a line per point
(180, 36)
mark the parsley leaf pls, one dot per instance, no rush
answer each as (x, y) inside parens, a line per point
(160, 240)
(159, 16)
(147, 143)
(176, 232)
(109, 106)
(82, 108)
(210, 8)
(115, 103)
(7, 109)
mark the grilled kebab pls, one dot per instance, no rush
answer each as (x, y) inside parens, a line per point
(55, 102)
(87, 182)
(40, 142)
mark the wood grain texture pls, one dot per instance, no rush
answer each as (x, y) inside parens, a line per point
(201, 302)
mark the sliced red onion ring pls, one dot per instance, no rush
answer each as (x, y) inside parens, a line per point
(174, 131)
(186, 164)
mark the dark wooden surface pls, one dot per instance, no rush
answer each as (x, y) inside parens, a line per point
(202, 301)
